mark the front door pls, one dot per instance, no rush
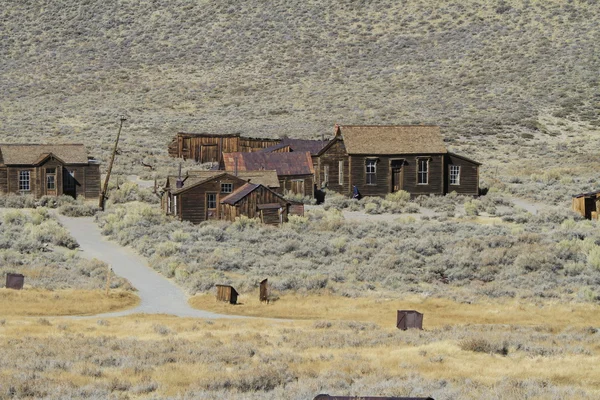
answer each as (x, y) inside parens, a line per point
(69, 182)
(211, 206)
(397, 176)
(51, 181)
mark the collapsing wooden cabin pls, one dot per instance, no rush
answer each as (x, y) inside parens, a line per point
(257, 201)
(227, 293)
(587, 204)
(294, 170)
(206, 147)
(198, 200)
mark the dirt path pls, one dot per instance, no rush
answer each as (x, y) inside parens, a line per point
(158, 295)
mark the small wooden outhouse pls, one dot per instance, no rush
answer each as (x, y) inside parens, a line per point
(409, 319)
(227, 293)
(587, 204)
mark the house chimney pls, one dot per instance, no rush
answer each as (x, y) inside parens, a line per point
(235, 168)
(336, 130)
(179, 183)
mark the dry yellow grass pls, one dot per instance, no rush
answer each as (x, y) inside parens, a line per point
(438, 312)
(386, 353)
(39, 302)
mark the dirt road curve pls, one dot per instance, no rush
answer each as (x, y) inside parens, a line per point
(158, 294)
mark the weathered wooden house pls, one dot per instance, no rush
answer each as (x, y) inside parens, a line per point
(587, 204)
(289, 145)
(294, 170)
(257, 201)
(206, 147)
(384, 159)
(267, 178)
(49, 170)
(199, 200)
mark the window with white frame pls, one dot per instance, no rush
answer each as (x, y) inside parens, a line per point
(340, 172)
(455, 175)
(50, 178)
(422, 171)
(226, 187)
(51, 182)
(371, 172)
(24, 181)
(211, 200)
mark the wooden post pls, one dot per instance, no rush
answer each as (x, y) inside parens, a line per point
(110, 165)
(108, 273)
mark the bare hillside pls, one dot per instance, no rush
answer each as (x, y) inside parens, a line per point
(292, 67)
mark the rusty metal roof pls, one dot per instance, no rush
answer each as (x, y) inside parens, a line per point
(392, 139)
(33, 154)
(312, 146)
(296, 163)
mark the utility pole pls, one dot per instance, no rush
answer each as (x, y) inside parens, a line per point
(112, 160)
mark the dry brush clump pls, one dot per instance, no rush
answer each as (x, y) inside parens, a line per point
(34, 244)
(552, 255)
(254, 360)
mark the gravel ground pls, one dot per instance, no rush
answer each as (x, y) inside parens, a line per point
(158, 294)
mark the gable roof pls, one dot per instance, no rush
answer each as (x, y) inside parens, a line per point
(392, 139)
(312, 146)
(244, 191)
(239, 194)
(296, 163)
(198, 182)
(33, 154)
(464, 158)
(302, 145)
(267, 178)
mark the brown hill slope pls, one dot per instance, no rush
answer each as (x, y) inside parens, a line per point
(291, 67)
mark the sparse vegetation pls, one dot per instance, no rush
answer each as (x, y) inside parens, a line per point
(323, 251)
(34, 244)
(510, 296)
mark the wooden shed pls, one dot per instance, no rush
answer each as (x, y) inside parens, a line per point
(294, 170)
(15, 281)
(206, 147)
(256, 201)
(408, 319)
(227, 293)
(587, 204)
(384, 159)
(49, 170)
(264, 291)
